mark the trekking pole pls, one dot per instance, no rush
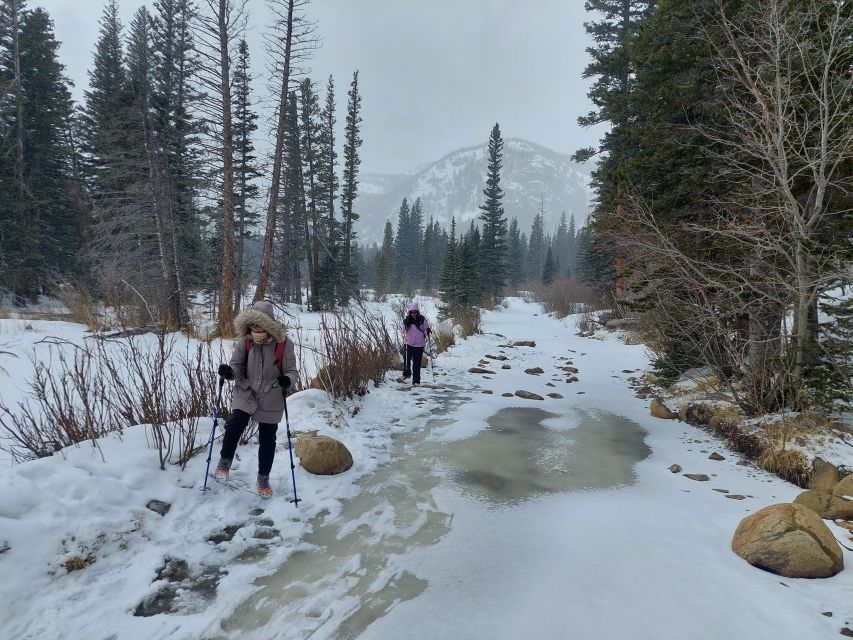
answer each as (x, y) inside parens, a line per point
(431, 357)
(295, 500)
(213, 432)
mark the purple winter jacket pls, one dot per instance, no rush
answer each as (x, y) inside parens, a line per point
(416, 334)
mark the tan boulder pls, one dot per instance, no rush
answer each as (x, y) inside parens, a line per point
(322, 455)
(528, 395)
(659, 410)
(788, 540)
(824, 476)
(844, 488)
(826, 505)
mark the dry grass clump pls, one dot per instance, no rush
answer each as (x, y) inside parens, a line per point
(788, 464)
(469, 319)
(442, 337)
(82, 307)
(77, 563)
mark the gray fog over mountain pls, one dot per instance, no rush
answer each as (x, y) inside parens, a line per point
(434, 75)
(532, 177)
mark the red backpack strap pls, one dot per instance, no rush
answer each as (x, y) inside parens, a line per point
(279, 355)
(279, 352)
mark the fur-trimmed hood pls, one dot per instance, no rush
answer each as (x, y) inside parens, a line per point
(261, 314)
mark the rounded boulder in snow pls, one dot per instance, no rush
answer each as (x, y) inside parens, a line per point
(789, 540)
(322, 455)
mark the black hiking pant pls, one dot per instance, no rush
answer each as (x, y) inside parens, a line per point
(266, 436)
(413, 363)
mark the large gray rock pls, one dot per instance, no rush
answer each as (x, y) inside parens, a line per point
(322, 455)
(789, 540)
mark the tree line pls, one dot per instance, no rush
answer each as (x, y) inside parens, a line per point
(151, 188)
(724, 188)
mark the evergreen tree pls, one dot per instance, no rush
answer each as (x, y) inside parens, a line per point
(330, 269)
(449, 281)
(515, 255)
(536, 248)
(246, 170)
(493, 249)
(41, 238)
(403, 248)
(549, 269)
(349, 188)
(310, 128)
(105, 102)
(386, 261)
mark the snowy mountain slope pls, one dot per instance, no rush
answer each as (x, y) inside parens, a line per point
(453, 187)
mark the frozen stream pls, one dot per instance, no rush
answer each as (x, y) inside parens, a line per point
(351, 570)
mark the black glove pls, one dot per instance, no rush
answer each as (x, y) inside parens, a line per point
(226, 372)
(283, 382)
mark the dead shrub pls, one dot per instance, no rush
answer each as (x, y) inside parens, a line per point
(357, 348)
(566, 296)
(788, 464)
(82, 307)
(105, 386)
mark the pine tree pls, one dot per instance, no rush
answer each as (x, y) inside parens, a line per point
(449, 281)
(49, 235)
(517, 267)
(246, 170)
(536, 248)
(105, 103)
(402, 245)
(349, 188)
(493, 250)
(310, 128)
(549, 269)
(330, 269)
(386, 261)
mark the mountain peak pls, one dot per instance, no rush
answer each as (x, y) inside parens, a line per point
(452, 186)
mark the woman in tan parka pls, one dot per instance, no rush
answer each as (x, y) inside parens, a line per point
(262, 366)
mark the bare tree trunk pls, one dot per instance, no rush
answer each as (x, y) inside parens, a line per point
(272, 208)
(225, 309)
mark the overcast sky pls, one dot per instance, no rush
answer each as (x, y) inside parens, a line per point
(435, 75)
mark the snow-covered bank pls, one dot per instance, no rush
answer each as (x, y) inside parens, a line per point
(648, 559)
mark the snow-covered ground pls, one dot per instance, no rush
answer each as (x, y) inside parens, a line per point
(423, 556)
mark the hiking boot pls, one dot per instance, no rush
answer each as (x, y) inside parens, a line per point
(222, 469)
(264, 488)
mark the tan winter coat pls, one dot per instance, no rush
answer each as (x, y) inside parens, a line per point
(256, 389)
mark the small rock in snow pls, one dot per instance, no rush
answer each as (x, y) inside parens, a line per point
(158, 506)
(735, 496)
(722, 490)
(556, 396)
(528, 395)
(507, 395)
(524, 343)
(480, 370)
(675, 468)
(488, 392)
(534, 371)
(506, 366)
(716, 456)
(699, 477)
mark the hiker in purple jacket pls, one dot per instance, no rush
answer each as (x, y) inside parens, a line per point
(415, 331)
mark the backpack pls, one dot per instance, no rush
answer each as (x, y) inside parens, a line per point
(279, 353)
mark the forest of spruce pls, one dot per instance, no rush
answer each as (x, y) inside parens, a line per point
(721, 224)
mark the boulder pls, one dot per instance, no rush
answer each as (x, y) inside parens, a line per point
(158, 506)
(322, 455)
(788, 540)
(659, 410)
(696, 414)
(826, 505)
(528, 395)
(824, 476)
(844, 488)
(480, 370)
(534, 371)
